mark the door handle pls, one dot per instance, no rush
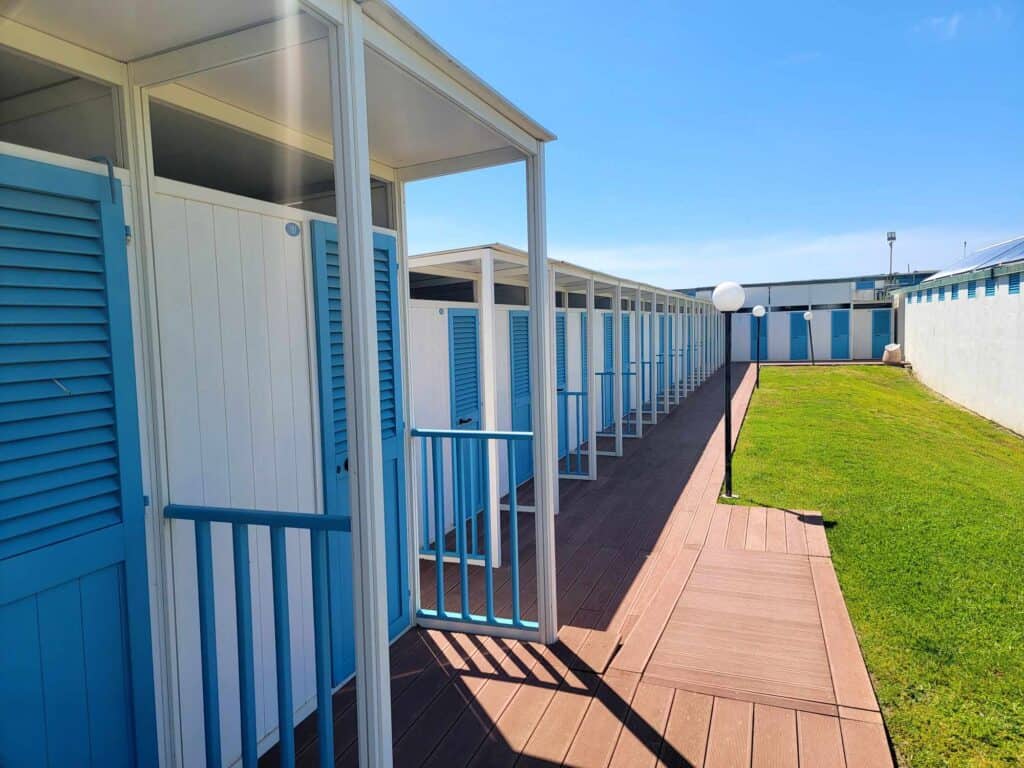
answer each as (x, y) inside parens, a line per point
(465, 420)
(344, 467)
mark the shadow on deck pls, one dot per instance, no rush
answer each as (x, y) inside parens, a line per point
(627, 545)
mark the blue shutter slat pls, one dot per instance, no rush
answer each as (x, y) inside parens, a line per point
(609, 343)
(1015, 284)
(520, 356)
(57, 400)
(39, 202)
(560, 377)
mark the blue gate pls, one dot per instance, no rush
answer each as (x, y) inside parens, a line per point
(881, 332)
(522, 412)
(75, 646)
(759, 341)
(797, 336)
(840, 334)
(328, 296)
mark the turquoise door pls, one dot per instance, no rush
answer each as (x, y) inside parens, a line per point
(608, 380)
(758, 343)
(584, 380)
(797, 336)
(519, 368)
(881, 320)
(76, 677)
(671, 352)
(464, 393)
(328, 295)
(840, 334)
(661, 355)
(560, 385)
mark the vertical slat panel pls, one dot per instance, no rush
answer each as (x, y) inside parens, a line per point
(488, 555)
(22, 709)
(63, 675)
(282, 646)
(104, 637)
(513, 533)
(437, 455)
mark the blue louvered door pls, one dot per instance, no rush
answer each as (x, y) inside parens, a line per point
(464, 393)
(840, 334)
(519, 368)
(75, 648)
(881, 331)
(329, 294)
(661, 355)
(561, 385)
(758, 338)
(608, 381)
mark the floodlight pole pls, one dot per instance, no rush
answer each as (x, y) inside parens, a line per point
(810, 340)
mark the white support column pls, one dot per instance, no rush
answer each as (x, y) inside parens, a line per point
(489, 399)
(638, 378)
(686, 347)
(617, 404)
(542, 385)
(366, 494)
(667, 356)
(652, 356)
(590, 385)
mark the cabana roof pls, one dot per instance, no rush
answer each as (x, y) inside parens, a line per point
(510, 268)
(231, 61)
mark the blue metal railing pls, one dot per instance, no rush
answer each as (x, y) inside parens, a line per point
(278, 523)
(453, 448)
(574, 453)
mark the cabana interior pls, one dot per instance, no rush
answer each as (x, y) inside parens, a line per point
(209, 464)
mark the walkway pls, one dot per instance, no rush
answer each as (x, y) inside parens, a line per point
(693, 634)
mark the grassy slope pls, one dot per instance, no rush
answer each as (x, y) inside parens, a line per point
(927, 503)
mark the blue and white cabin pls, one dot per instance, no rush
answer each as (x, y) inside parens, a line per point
(205, 382)
(851, 319)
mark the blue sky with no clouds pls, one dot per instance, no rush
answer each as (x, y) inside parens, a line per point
(743, 140)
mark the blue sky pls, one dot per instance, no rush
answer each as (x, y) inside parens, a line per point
(744, 140)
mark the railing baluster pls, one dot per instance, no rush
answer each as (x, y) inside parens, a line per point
(425, 522)
(208, 642)
(243, 625)
(471, 486)
(437, 457)
(513, 532)
(488, 556)
(282, 646)
(458, 450)
(322, 649)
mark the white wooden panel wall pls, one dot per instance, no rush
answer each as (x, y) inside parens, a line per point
(778, 335)
(755, 295)
(860, 334)
(821, 329)
(741, 349)
(235, 348)
(831, 293)
(970, 350)
(791, 295)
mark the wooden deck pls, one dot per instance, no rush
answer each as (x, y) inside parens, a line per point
(693, 634)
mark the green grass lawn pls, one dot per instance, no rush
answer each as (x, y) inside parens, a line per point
(925, 504)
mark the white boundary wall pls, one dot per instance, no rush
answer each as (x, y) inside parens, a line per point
(971, 350)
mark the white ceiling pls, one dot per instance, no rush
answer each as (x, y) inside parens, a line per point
(409, 122)
(133, 29)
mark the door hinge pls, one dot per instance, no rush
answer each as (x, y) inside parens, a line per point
(145, 500)
(127, 233)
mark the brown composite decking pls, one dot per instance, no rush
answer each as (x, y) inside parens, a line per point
(693, 634)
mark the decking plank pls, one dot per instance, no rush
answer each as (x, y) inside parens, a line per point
(596, 738)
(865, 744)
(775, 741)
(820, 740)
(686, 733)
(757, 521)
(729, 739)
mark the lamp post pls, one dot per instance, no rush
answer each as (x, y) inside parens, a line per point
(810, 333)
(891, 238)
(727, 298)
(758, 312)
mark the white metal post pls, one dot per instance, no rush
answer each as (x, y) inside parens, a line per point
(638, 378)
(542, 385)
(590, 384)
(652, 355)
(667, 356)
(489, 404)
(366, 495)
(686, 347)
(617, 404)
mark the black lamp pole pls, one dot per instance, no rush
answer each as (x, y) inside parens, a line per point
(728, 403)
(810, 339)
(758, 381)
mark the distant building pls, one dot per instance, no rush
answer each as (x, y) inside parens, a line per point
(851, 317)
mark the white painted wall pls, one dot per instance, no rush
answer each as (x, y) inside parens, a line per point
(860, 334)
(778, 335)
(970, 350)
(236, 349)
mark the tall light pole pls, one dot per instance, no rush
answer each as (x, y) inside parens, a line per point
(891, 237)
(727, 298)
(758, 312)
(810, 334)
